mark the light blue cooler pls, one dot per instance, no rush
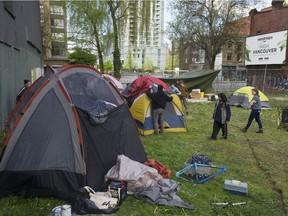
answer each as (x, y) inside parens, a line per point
(236, 187)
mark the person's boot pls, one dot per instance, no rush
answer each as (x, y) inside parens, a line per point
(259, 131)
(243, 129)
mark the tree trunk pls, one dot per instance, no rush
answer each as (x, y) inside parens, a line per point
(99, 50)
(116, 54)
(100, 56)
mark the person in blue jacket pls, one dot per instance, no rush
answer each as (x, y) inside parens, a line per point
(221, 116)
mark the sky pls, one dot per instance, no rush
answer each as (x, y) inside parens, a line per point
(167, 15)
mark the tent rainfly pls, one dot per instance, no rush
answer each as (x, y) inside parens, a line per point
(65, 133)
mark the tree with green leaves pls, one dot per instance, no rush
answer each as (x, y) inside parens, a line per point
(82, 56)
(129, 62)
(108, 65)
(175, 59)
(118, 9)
(148, 64)
(202, 24)
(89, 26)
(99, 23)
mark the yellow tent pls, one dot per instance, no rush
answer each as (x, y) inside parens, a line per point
(243, 96)
(173, 115)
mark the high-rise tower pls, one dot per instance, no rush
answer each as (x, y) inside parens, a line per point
(142, 37)
(54, 32)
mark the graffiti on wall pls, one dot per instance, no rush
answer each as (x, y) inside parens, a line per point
(274, 82)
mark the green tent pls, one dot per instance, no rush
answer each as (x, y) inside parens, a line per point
(201, 79)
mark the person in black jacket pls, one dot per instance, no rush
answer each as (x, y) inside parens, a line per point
(27, 84)
(158, 105)
(221, 116)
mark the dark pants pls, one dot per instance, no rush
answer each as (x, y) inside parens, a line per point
(254, 114)
(216, 128)
(158, 116)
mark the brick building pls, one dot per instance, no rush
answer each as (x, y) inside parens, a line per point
(191, 59)
(233, 52)
(269, 77)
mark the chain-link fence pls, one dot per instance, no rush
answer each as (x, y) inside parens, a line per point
(273, 81)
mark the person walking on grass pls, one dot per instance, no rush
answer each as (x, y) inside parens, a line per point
(255, 104)
(158, 105)
(221, 116)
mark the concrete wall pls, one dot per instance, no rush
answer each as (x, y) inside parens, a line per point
(20, 49)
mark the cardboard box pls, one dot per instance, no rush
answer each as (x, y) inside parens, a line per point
(196, 95)
(236, 187)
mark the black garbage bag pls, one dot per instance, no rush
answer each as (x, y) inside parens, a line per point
(83, 205)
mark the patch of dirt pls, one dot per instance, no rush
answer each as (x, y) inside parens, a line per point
(270, 146)
(281, 98)
(269, 177)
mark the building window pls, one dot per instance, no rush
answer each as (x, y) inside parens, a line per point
(229, 56)
(239, 46)
(229, 45)
(59, 37)
(58, 50)
(57, 23)
(239, 57)
(57, 10)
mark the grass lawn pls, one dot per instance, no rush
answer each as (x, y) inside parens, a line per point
(261, 160)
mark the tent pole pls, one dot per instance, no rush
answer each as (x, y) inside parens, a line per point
(264, 78)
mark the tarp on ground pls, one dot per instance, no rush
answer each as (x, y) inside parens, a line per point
(201, 79)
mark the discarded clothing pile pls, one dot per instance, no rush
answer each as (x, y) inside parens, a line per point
(201, 159)
(146, 183)
(163, 193)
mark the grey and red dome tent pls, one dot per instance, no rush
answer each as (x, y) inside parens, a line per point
(65, 133)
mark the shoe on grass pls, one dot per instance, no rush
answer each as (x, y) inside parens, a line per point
(243, 129)
(259, 131)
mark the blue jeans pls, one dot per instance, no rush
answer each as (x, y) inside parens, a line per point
(255, 114)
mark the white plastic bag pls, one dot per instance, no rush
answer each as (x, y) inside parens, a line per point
(103, 200)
